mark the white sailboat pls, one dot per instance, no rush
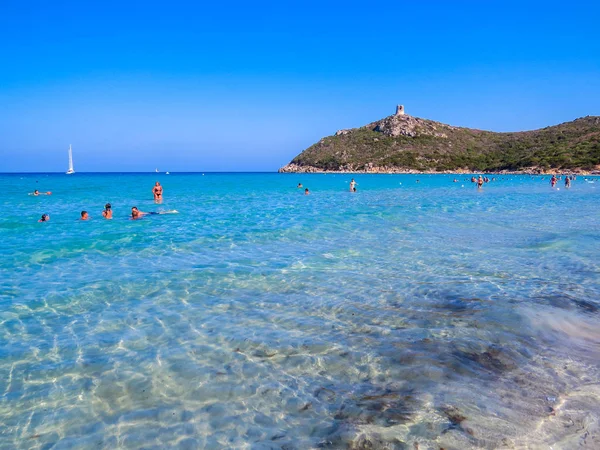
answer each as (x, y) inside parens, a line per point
(71, 170)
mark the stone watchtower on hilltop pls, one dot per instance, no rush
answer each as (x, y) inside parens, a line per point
(400, 110)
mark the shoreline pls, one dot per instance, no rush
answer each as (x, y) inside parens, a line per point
(294, 168)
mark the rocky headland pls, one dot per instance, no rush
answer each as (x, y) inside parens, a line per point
(404, 144)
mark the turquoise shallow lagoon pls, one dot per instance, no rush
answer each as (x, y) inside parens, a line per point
(406, 315)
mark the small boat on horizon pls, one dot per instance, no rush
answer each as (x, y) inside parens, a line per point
(71, 171)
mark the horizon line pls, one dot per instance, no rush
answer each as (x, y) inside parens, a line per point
(154, 173)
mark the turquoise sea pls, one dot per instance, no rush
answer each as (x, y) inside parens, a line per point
(407, 315)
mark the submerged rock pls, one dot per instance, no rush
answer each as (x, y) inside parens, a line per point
(386, 409)
(454, 415)
(494, 359)
(351, 437)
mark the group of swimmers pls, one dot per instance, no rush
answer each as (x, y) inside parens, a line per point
(107, 213)
(306, 191)
(353, 185)
(568, 179)
(157, 191)
(480, 180)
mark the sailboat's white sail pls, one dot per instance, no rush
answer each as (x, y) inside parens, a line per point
(71, 170)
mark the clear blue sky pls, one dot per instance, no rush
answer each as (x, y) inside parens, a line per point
(236, 86)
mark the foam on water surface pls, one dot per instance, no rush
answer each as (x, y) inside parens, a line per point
(401, 315)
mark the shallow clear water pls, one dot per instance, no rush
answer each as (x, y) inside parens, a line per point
(406, 315)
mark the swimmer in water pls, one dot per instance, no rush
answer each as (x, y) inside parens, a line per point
(36, 193)
(553, 181)
(107, 213)
(306, 191)
(567, 182)
(157, 190)
(137, 214)
(45, 218)
(479, 182)
(352, 185)
(299, 185)
(84, 215)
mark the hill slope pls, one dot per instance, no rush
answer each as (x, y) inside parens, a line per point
(402, 143)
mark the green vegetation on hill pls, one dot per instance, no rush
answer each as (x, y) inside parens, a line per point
(405, 143)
